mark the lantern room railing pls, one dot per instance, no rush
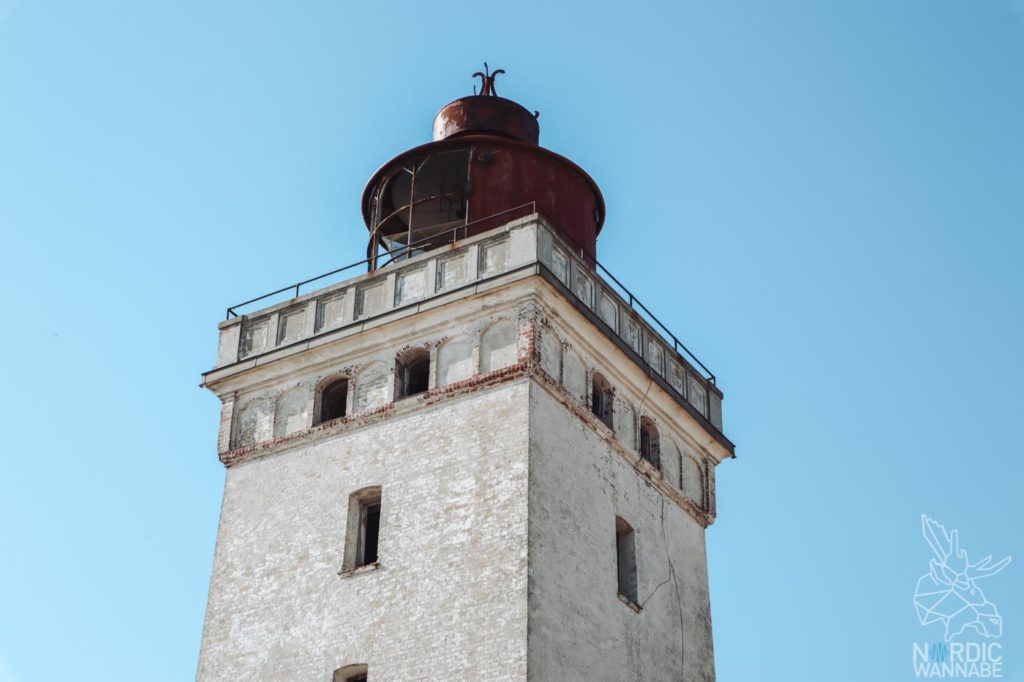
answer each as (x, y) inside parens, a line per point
(452, 236)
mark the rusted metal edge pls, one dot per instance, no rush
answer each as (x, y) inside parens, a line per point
(460, 141)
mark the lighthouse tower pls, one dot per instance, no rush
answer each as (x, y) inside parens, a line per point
(474, 455)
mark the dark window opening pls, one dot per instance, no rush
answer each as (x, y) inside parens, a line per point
(350, 673)
(602, 399)
(650, 444)
(362, 536)
(625, 550)
(333, 401)
(369, 530)
(413, 373)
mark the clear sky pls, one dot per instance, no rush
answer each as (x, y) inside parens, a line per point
(824, 200)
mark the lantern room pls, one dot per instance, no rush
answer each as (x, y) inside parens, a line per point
(484, 168)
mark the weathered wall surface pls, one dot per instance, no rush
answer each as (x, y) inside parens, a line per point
(451, 595)
(449, 598)
(284, 402)
(580, 479)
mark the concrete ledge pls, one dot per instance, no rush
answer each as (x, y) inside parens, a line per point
(633, 606)
(359, 570)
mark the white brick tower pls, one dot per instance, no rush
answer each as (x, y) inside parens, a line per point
(481, 459)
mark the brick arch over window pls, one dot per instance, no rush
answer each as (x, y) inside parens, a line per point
(412, 373)
(331, 399)
(650, 442)
(602, 399)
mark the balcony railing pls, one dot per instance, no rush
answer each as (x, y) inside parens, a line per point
(523, 242)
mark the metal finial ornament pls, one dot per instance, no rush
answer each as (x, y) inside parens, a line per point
(487, 81)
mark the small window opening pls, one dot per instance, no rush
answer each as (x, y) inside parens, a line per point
(369, 526)
(602, 399)
(363, 534)
(333, 401)
(351, 673)
(625, 548)
(413, 373)
(650, 443)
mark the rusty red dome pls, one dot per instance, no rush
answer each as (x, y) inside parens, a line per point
(483, 170)
(486, 114)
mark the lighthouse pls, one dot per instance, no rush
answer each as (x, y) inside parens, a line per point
(472, 455)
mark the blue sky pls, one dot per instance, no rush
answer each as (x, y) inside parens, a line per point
(825, 201)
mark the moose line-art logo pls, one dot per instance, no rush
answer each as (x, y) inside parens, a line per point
(949, 591)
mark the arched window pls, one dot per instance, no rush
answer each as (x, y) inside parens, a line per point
(333, 401)
(602, 400)
(650, 443)
(412, 373)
